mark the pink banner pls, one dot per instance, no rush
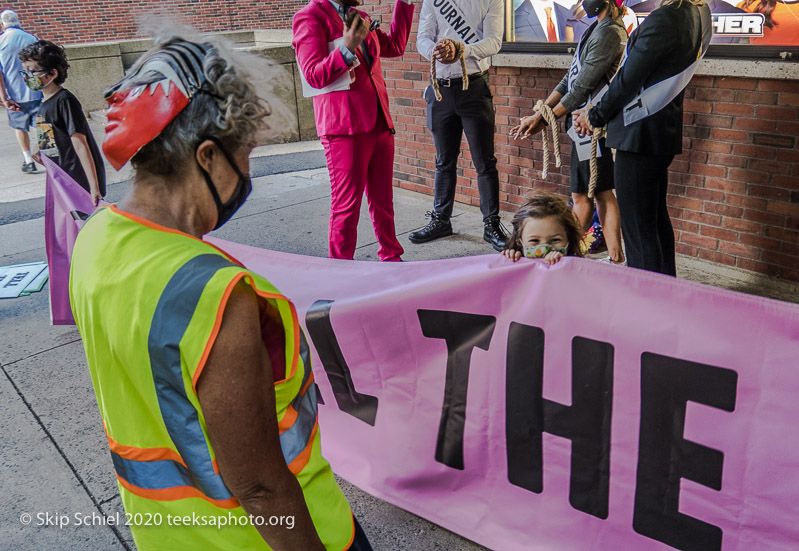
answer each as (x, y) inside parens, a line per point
(578, 406)
(575, 406)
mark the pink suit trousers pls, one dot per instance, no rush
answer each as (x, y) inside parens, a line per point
(361, 163)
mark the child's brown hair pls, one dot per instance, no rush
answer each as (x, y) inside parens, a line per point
(544, 205)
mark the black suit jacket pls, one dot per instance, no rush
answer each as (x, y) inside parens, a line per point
(664, 45)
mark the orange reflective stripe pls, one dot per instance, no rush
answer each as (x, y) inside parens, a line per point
(143, 454)
(307, 384)
(214, 331)
(291, 415)
(295, 327)
(178, 492)
(352, 538)
(288, 419)
(299, 462)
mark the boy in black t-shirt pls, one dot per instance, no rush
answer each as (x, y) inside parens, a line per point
(64, 132)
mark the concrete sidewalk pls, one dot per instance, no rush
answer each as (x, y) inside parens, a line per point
(54, 458)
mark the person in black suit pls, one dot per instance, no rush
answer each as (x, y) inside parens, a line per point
(646, 131)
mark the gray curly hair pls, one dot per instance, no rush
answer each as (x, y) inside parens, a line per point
(232, 110)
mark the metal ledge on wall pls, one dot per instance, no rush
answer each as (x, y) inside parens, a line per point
(743, 68)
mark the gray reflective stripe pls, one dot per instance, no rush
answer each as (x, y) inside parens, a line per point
(294, 440)
(651, 100)
(171, 319)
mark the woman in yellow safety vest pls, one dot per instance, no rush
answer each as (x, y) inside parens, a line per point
(201, 371)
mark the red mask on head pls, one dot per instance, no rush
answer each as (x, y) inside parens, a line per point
(142, 104)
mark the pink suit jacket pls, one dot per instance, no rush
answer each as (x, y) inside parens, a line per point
(353, 111)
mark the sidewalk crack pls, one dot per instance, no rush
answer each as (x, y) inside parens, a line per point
(63, 455)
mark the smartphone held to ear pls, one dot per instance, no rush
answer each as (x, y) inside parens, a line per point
(351, 17)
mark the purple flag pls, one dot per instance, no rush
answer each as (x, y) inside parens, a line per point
(66, 207)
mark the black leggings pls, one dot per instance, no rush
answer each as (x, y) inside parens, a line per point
(641, 186)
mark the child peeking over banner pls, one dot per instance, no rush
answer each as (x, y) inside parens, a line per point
(545, 227)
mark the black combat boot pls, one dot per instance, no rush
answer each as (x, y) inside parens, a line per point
(439, 226)
(495, 234)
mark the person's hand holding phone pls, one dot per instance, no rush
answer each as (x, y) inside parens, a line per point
(355, 30)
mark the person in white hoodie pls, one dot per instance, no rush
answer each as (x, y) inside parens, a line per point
(446, 28)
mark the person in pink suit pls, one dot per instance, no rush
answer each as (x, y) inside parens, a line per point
(354, 124)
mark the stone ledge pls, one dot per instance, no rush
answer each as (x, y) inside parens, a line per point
(743, 68)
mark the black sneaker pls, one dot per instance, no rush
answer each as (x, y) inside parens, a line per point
(29, 168)
(439, 226)
(495, 233)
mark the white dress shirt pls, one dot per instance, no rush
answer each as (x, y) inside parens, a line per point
(481, 32)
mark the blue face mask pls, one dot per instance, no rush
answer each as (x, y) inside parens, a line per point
(540, 251)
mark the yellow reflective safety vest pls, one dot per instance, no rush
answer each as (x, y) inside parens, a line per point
(148, 302)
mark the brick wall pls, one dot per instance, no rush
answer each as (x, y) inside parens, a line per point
(76, 21)
(734, 192)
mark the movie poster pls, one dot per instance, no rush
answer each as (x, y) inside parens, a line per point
(757, 22)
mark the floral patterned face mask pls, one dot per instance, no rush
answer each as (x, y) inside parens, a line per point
(32, 80)
(540, 251)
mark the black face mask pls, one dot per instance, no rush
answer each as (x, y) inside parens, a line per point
(225, 210)
(593, 7)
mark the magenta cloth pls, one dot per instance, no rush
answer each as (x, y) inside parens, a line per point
(690, 382)
(63, 197)
(358, 164)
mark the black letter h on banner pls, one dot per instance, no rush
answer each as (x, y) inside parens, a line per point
(586, 422)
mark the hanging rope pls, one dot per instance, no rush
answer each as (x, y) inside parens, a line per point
(552, 122)
(459, 48)
(596, 135)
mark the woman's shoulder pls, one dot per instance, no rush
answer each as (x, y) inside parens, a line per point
(610, 32)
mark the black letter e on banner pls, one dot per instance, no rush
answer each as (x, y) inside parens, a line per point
(664, 456)
(462, 332)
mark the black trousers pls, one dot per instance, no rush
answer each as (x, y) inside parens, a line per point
(641, 185)
(459, 111)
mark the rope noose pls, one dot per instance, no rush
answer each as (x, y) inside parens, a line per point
(460, 48)
(552, 122)
(597, 135)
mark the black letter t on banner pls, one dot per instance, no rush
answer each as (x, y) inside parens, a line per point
(462, 332)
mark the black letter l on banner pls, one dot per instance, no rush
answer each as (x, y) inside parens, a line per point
(349, 400)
